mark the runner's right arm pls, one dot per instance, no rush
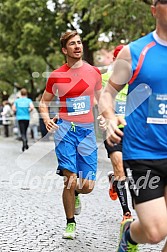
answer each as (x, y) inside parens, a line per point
(44, 111)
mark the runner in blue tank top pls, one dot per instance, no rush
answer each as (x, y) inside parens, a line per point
(143, 64)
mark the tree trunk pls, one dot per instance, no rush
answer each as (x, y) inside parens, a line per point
(88, 54)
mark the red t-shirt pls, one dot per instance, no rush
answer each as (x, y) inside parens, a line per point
(76, 87)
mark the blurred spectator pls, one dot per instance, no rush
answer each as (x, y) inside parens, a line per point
(22, 106)
(34, 123)
(6, 117)
(1, 109)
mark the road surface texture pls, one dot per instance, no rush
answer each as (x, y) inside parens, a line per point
(32, 215)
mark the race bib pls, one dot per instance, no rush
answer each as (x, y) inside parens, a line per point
(78, 105)
(120, 108)
(157, 110)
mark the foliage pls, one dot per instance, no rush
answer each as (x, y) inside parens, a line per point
(30, 32)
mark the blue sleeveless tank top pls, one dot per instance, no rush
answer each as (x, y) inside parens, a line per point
(146, 107)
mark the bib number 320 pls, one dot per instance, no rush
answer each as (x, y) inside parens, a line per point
(78, 105)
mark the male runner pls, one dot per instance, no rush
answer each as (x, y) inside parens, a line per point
(117, 178)
(145, 133)
(77, 82)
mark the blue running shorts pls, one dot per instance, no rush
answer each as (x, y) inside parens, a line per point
(76, 149)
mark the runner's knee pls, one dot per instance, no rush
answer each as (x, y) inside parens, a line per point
(156, 234)
(87, 186)
(70, 182)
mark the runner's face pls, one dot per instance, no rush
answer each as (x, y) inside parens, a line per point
(160, 13)
(74, 48)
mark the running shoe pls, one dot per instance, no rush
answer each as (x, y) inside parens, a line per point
(70, 231)
(77, 205)
(112, 190)
(124, 244)
(126, 216)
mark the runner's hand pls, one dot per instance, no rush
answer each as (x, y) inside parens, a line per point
(102, 122)
(51, 126)
(113, 133)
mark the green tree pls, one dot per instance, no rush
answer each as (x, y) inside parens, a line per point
(30, 32)
(119, 21)
(28, 39)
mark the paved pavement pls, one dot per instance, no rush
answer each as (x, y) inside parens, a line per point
(32, 216)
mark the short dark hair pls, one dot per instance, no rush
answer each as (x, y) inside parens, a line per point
(24, 92)
(66, 36)
(160, 1)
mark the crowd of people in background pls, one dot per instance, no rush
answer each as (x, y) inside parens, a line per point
(20, 118)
